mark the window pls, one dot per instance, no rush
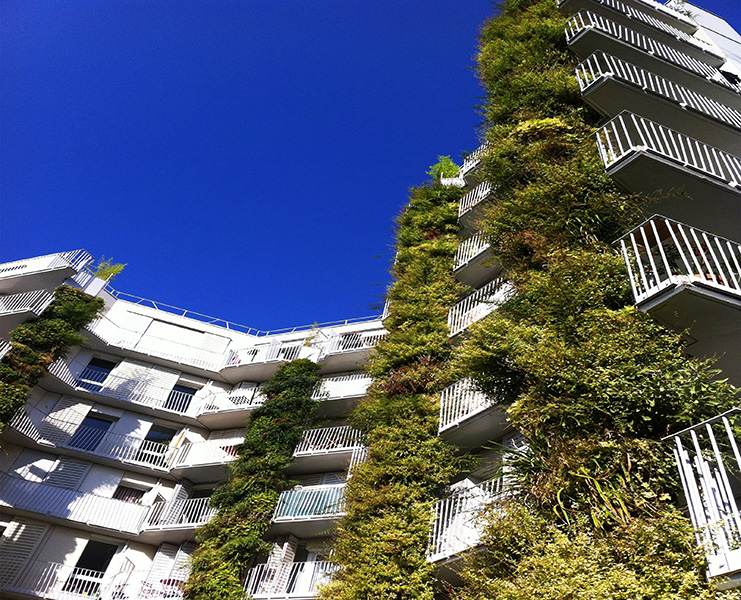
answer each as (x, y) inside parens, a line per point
(91, 432)
(179, 398)
(88, 574)
(95, 374)
(153, 449)
(128, 494)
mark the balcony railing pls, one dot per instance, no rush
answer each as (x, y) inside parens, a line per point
(328, 439)
(34, 302)
(628, 134)
(298, 579)
(57, 581)
(473, 159)
(457, 525)
(209, 452)
(459, 402)
(5, 347)
(650, 21)
(180, 513)
(709, 464)
(80, 507)
(351, 341)
(477, 195)
(73, 436)
(75, 259)
(344, 386)
(311, 503)
(470, 248)
(600, 66)
(662, 253)
(585, 20)
(262, 353)
(479, 304)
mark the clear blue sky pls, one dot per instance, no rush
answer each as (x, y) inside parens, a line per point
(245, 157)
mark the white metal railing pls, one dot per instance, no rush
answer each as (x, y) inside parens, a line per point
(461, 401)
(75, 259)
(709, 464)
(208, 452)
(262, 353)
(242, 398)
(653, 22)
(191, 512)
(65, 434)
(103, 383)
(600, 66)
(478, 304)
(628, 133)
(350, 341)
(585, 20)
(469, 249)
(297, 579)
(663, 253)
(113, 334)
(34, 302)
(669, 11)
(477, 195)
(57, 581)
(310, 503)
(344, 386)
(457, 525)
(5, 347)
(325, 440)
(472, 160)
(80, 507)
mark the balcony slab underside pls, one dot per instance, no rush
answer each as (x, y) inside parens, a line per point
(202, 473)
(479, 270)
(325, 462)
(712, 318)
(226, 418)
(610, 96)
(573, 6)
(591, 39)
(318, 526)
(691, 196)
(39, 280)
(475, 430)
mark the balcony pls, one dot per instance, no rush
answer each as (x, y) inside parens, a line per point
(457, 526)
(221, 410)
(95, 383)
(326, 449)
(260, 361)
(479, 304)
(309, 511)
(470, 164)
(659, 11)
(65, 505)
(648, 23)
(688, 279)
(180, 517)
(587, 32)
(709, 466)
(471, 206)
(347, 350)
(206, 461)
(5, 347)
(612, 85)
(473, 264)
(41, 272)
(17, 308)
(468, 418)
(119, 448)
(646, 157)
(299, 580)
(340, 394)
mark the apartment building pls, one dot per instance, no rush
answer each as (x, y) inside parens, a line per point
(106, 472)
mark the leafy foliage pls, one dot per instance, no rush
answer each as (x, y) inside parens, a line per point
(107, 269)
(445, 167)
(247, 500)
(381, 543)
(38, 343)
(592, 383)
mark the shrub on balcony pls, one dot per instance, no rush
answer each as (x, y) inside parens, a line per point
(37, 343)
(247, 500)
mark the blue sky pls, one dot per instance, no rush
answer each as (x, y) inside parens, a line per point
(245, 158)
